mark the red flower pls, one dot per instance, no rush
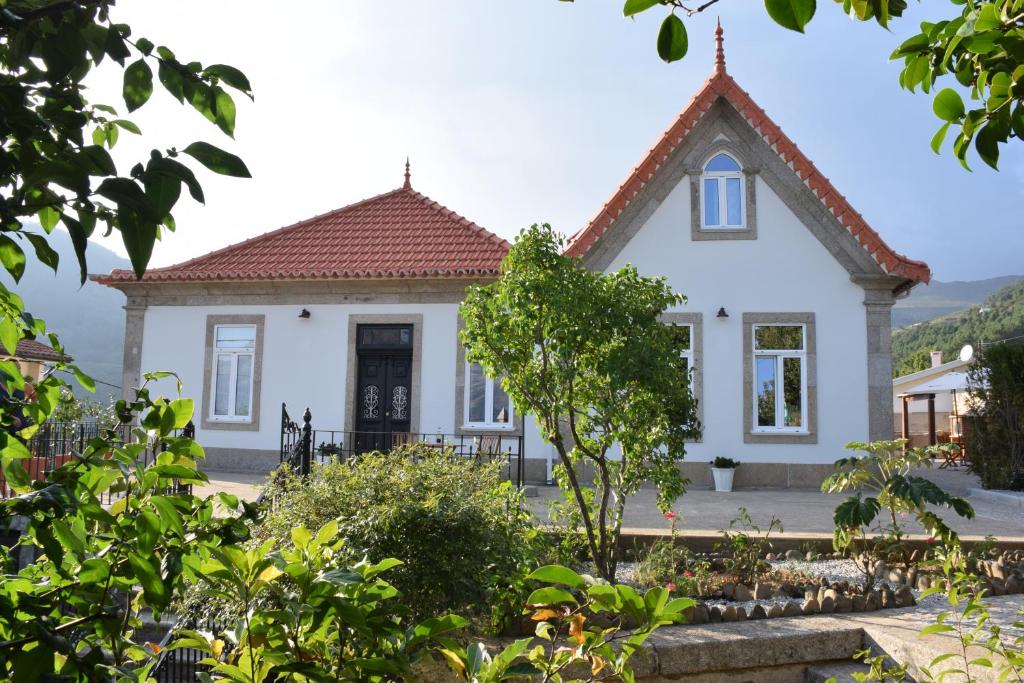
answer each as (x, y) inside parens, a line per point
(670, 515)
(670, 587)
(688, 574)
(930, 540)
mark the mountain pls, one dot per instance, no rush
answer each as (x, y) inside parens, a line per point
(999, 317)
(939, 298)
(88, 318)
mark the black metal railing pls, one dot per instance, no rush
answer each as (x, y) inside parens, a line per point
(303, 445)
(56, 443)
(182, 665)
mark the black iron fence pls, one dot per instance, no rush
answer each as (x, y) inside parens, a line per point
(56, 443)
(302, 445)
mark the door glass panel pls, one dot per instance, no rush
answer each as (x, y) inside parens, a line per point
(765, 391)
(792, 389)
(223, 391)
(477, 393)
(500, 411)
(711, 201)
(732, 200)
(243, 384)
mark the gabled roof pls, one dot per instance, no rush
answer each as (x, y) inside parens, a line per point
(30, 349)
(398, 234)
(721, 85)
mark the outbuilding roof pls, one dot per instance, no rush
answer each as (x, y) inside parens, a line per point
(721, 85)
(398, 234)
(30, 349)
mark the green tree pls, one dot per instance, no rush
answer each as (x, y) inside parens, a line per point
(588, 356)
(980, 46)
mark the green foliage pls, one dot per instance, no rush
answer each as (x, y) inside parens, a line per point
(332, 621)
(885, 468)
(587, 355)
(588, 631)
(1002, 319)
(880, 671)
(744, 545)
(996, 435)
(55, 164)
(981, 46)
(670, 564)
(463, 536)
(71, 408)
(724, 463)
(72, 612)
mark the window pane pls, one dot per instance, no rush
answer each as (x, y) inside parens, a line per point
(792, 388)
(236, 337)
(223, 386)
(765, 391)
(779, 337)
(500, 411)
(722, 163)
(682, 333)
(243, 382)
(732, 200)
(711, 202)
(477, 393)
(686, 364)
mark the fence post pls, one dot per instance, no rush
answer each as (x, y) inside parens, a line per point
(189, 432)
(307, 442)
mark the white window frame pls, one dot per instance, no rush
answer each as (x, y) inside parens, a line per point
(688, 353)
(488, 422)
(723, 199)
(780, 401)
(234, 355)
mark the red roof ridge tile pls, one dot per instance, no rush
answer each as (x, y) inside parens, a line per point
(721, 84)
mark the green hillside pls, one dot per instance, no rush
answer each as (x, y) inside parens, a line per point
(1003, 318)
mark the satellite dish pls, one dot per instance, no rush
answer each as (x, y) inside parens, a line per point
(966, 353)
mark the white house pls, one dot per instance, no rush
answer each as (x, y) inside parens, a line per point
(354, 312)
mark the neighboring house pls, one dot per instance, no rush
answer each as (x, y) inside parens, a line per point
(945, 383)
(354, 312)
(33, 357)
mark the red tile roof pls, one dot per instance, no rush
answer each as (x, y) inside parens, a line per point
(30, 349)
(721, 84)
(399, 234)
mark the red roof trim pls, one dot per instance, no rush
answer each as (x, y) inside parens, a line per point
(721, 84)
(473, 251)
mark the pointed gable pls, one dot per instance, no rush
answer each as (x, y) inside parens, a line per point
(721, 86)
(399, 234)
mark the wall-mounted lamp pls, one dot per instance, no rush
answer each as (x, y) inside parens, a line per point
(721, 313)
(305, 314)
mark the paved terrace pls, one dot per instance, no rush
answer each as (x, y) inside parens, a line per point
(803, 512)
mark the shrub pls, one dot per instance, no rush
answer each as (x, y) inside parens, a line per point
(462, 534)
(996, 441)
(723, 463)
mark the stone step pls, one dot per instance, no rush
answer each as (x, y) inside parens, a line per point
(841, 671)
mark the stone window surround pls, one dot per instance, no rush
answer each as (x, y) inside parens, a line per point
(749, 230)
(253, 424)
(460, 397)
(808, 321)
(696, 323)
(354, 320)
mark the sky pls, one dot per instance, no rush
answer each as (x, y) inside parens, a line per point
(536, 110)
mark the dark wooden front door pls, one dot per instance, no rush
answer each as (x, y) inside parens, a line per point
(383, 402)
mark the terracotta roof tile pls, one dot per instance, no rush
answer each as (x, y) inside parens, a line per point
(399, 234)
(721, 84)
(30, 349)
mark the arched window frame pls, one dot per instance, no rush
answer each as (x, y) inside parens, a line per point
(721, 178)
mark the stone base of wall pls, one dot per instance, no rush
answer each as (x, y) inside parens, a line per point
(241, 460)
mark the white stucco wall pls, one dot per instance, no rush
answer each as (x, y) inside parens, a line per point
(786, 269)
(304, 363)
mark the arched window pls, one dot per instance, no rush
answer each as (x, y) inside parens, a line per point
(722, 194)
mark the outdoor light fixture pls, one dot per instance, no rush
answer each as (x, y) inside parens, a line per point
(304, 314)
(722, 313)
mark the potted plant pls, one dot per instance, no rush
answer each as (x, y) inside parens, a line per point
(723, 470)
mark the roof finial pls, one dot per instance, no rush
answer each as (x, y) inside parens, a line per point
(408, 176)
(720, 49)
